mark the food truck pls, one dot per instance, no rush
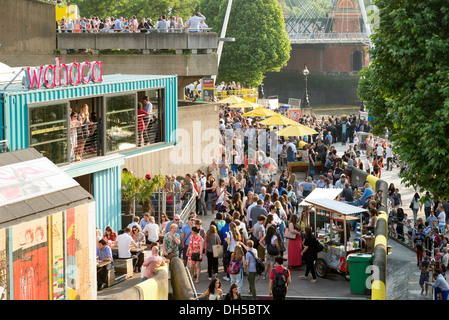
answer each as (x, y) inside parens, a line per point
(336, 237)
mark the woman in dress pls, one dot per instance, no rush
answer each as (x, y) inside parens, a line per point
(140, 124)
(221, 193)
(212, 238)
(83, 131)
(213, 292)
(171, 242)
(196, 245)
(294, 245)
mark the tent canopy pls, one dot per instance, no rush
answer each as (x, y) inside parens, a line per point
(336, 206)
(320, 193)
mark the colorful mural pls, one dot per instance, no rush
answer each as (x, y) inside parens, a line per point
(50, 258)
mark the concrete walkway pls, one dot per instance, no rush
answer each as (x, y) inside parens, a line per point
(402, 272)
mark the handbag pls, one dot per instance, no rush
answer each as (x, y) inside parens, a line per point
(195, 256)
(289, 235)
(214, 196)
(217, 250)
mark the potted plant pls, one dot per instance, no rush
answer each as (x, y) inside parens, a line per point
(131, 187)
(148, 188)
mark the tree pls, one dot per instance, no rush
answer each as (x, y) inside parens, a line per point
(406, 88)
(210, 9)
(261, 42)
(139, 8)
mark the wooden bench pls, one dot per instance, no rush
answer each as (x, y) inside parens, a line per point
(303, 167)
(124, 267)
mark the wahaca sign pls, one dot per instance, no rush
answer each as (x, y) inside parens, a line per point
(61, 74)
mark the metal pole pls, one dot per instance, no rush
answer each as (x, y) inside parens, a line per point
(223, 34)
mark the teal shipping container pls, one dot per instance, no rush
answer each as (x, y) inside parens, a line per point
(89, 128)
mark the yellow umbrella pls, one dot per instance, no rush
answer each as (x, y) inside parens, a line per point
(232, 99)
(278, 119)
(297, 130)
(259, 112)
(246, 104)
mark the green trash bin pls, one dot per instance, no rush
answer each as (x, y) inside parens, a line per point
(358, 272)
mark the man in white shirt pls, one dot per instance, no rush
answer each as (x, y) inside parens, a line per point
(379, 151)
(389, 156)
(291, 144)
(151, 231)
(366, 164)
(124, 242)
(162, 24)
(118, 24)
(194, 22)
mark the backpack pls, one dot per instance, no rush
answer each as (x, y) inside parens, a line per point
(234, 266)
(260, 267)
(280, 285)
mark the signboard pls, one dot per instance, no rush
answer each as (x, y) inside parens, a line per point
(208, 89)
(294, 113)
(61, 74)
(30, 179)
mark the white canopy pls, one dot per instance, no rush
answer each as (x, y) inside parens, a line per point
(320, 193)
(336, 206)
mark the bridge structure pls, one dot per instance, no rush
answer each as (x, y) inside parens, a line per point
(327, 21)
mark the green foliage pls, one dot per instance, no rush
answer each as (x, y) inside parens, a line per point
(140, 189)
(261, 42)
(139, 8)
(210, 9)
(406, 88)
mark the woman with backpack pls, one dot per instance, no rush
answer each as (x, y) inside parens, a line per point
(236, 265)
(309, 253)
(271, 243)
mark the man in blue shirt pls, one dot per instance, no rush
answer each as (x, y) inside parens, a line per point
(104, 253)
(328, 138)
(186, 233)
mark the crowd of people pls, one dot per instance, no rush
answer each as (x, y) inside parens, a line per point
(165, 23)
(253, 211)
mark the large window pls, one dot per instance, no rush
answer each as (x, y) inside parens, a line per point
(120, 122)
(48, 131)
(94, 126)
(155, 128)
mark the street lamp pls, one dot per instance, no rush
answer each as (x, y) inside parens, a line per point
(305, 99)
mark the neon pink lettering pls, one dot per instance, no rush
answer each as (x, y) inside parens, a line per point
(32, 81)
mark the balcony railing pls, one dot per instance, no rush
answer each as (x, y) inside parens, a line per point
(171, 39)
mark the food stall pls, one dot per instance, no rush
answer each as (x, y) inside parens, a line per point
(336, 238)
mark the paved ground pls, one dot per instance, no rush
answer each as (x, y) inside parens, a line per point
(402, 272)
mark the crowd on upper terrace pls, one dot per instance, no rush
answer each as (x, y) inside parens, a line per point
(94, 24)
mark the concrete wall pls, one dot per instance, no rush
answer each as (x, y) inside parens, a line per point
(324, 58)
(128, 41)
(198, 136)
(27, 26)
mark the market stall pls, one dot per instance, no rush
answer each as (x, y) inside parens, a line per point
(336, 235)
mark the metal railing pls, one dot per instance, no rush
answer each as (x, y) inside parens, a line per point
(109, 30)
(247, 94)
(327, 37)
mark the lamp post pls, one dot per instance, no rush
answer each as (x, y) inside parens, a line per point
(305, 99)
